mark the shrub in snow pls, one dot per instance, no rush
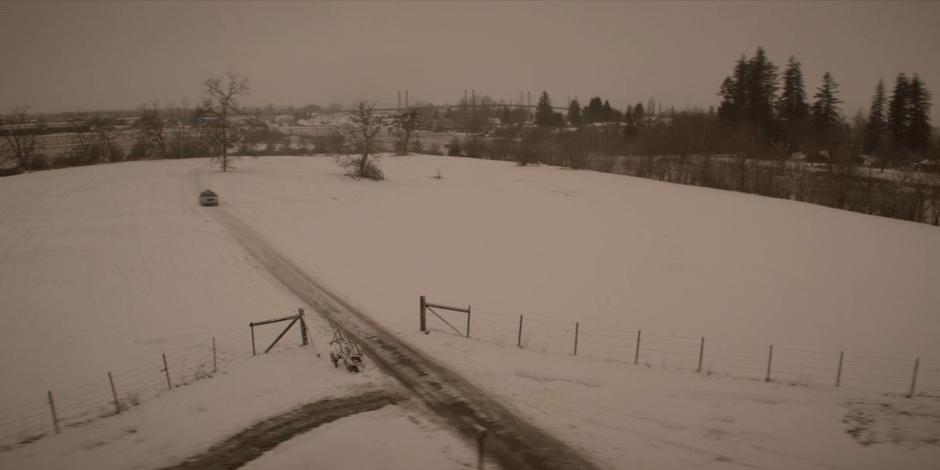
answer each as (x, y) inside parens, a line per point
(355, 168)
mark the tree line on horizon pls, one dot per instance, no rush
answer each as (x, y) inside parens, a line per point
(760, 114)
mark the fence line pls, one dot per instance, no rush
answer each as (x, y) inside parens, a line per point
(189, 360)
(705, 355)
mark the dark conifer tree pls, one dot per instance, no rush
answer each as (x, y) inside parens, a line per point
(638, 112)
(761, 89)
(740, 80)
(544, 116)
(898, 110)
(792, 104)
(594, 112)
(607, 113)
(629, 121)
(876, 126)
(792, 108)
(826, 114)
(918, 115)
(727, 110)
(574, 113)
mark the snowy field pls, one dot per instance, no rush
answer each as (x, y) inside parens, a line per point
(105, 268)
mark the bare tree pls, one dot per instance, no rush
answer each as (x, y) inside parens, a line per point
(181, 118)
(18, 135)
(220, 103)
(99, 145)
(405, 126)
(361, 133)
(152, 130)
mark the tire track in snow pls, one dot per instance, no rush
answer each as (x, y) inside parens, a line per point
(250, 443)
(511, 441)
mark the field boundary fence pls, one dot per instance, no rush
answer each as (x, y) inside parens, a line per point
(703, 355)
(181, 362)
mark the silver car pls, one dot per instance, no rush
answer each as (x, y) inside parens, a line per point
(208, 198)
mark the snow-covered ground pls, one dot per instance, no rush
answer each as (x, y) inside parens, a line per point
(103, 268)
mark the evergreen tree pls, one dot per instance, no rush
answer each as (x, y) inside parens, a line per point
(638, 112)
(574, 113)
(607, 113)
(826, 114)
(792, 109)
(611, 114)
(875, 127)
(897, 110)
(918, 131)
(740, 94)
(544, 116)
(761, 88)
(594, 111)
(792, 104)
(629, 121)
(727, 110)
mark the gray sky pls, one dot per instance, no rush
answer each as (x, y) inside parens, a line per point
(87, 56)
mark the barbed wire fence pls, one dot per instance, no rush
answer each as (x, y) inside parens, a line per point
(181, 361)
(710, 356)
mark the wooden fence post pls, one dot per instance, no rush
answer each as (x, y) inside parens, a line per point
(770, 358)
(839, 371)
(117, 405)
(519, 339)
(701, 353)
(914, 379)
(215, 366)
(481, 454)
(55, 417)
(252, 325)
(576, 328)
(167, 370)
(303, 328)
(468, 321)
(422, 320)
(636, 357)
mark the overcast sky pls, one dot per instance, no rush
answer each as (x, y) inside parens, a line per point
(114, 55)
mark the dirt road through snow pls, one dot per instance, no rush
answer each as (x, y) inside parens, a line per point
(511, 441)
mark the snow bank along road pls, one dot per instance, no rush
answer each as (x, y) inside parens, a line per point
(511, 441)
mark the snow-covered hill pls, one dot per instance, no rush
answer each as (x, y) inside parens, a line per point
(103, 268)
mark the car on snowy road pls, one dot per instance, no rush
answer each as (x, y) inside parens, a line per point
(208, 198)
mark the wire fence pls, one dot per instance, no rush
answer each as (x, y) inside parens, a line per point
(777, 363)
(186, 360)
(181, 362)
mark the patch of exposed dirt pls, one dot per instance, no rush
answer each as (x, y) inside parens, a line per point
(899, 421)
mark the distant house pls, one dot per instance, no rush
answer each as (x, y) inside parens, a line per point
(654, 120)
